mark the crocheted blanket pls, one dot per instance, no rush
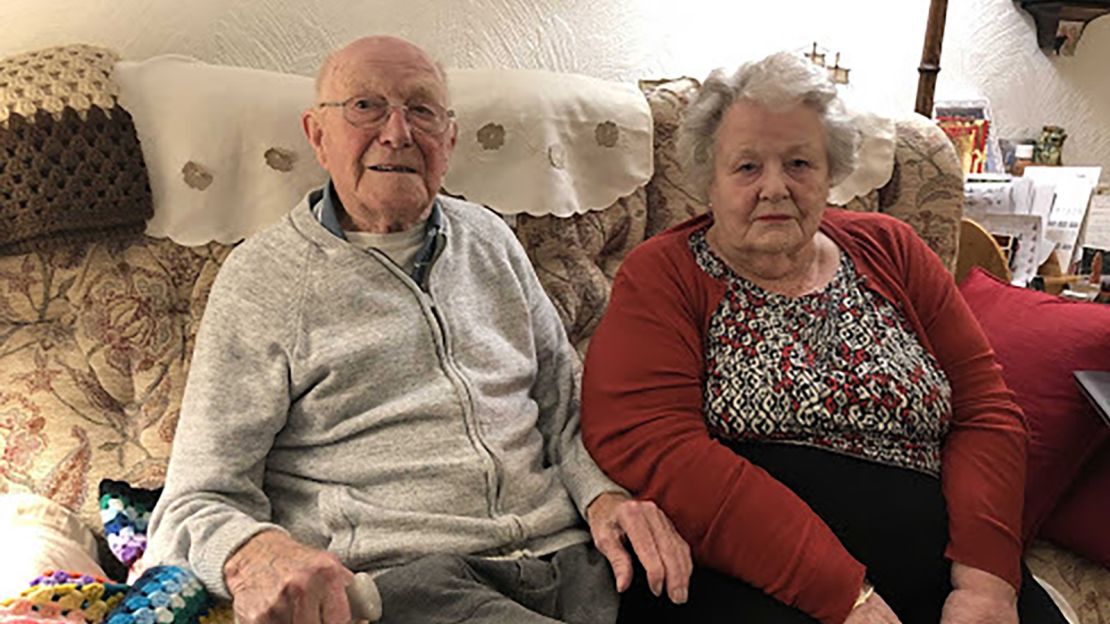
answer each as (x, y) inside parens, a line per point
(71, 169)
(162, 594)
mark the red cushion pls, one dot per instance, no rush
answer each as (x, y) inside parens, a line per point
(1039, 339)
(1079, 522)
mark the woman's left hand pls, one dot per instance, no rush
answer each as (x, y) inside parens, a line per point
(979, 597)
(965, 606)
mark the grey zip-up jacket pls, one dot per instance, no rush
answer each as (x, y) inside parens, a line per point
(332, 397)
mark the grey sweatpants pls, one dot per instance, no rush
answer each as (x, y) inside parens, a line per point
(574, 585)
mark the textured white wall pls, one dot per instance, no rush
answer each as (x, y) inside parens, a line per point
(989, 50)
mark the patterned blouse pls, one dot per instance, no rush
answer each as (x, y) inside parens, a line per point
(839, 369)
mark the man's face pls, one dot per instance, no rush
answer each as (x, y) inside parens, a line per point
(386, 174)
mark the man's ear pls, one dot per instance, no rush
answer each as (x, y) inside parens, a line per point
(453, 137)
(314, 132)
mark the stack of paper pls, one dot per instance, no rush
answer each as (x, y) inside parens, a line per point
(1043, 211)
(1073, 187)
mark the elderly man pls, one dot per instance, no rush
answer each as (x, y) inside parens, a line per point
(380, 384)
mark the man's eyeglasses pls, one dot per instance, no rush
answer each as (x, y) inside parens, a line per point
(370, 111)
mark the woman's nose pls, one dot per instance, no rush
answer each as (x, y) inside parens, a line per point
(773, 184)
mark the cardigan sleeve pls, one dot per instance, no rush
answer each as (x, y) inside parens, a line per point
(984, 453)
(642, 421)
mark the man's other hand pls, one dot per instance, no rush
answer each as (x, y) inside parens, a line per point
(614, 519)
(273, 579)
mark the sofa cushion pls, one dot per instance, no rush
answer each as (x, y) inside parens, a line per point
(223, 145)
(547, 143)
(926, 189)
(94, 344)
(577, 257)
(1039, 340)
(70, 165)
(540, 143)
(1085, 584)
(1080, 520)
(671, 197)
(36, 535)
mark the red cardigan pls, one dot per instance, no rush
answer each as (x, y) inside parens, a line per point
(642, 419)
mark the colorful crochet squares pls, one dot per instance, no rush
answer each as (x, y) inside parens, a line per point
(63, 596)
(164, 595)
(125, 512)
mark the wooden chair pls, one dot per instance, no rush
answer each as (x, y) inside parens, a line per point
(979, 249)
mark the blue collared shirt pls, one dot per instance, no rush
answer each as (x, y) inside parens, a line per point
(326, 213)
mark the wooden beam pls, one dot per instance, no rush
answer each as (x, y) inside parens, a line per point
(930, 57)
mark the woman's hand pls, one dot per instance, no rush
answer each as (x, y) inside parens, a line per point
(874, 610)
(964, 606)
(979, 597)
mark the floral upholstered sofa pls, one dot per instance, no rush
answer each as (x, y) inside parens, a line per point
(97, 319)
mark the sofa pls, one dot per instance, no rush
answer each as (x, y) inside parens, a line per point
(98, 318)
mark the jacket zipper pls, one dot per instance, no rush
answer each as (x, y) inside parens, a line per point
(462, 389)
(493, 471)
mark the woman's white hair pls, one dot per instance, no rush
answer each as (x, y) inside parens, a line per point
(778, 81)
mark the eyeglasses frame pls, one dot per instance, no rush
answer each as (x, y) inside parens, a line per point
(449, 114)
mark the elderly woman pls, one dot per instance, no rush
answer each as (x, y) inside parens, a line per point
(803, 390)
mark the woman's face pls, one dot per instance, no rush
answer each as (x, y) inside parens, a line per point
(770, 179)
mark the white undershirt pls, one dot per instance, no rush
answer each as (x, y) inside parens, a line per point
(400, 247)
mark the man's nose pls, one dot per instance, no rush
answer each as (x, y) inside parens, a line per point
(773, 184)
(396, 130)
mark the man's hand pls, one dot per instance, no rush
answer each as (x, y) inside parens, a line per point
(275, 579)
(662, 552)
(979, 597)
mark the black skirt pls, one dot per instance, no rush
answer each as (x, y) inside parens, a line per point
(891, 519)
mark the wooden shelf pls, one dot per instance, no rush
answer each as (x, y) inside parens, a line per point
(1048, 13)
